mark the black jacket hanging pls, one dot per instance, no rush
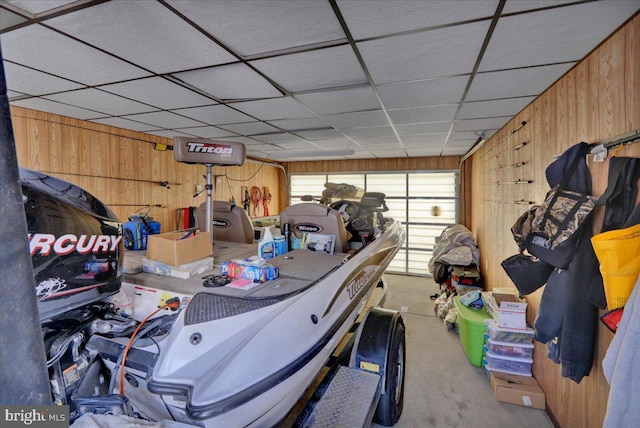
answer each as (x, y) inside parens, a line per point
(622, 188)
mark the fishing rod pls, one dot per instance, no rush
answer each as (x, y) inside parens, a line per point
(166, 184)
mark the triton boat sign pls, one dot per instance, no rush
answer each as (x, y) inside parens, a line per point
(218, 149)
(307, 227)
(220, 222)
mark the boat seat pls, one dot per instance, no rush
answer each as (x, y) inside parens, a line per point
(230, 222)
(325, 220)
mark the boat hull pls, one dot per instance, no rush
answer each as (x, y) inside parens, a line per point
(250, 369)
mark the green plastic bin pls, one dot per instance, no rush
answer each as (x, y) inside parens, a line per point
(471, 328)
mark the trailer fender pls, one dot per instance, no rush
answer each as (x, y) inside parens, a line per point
(380, 348)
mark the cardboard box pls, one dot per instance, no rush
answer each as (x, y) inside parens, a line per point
(514, 389)
(512, 315)
(170, 249)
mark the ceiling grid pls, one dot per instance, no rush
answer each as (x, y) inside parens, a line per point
(390, 78)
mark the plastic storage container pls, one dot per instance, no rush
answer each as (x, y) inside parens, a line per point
(184, 271)
(471, 326)
(509, 349)
(500, 334)
(513, 365)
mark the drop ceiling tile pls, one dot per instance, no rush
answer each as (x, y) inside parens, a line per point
(119, 122)
(367, 18)
(268, 148)
(9, 19)
(466, 136)
(435, 53)
(256, 154)
(362, 154)
(215, 114)
(550, 36)
(296, 145)
(14, 94)
(422, 139)
(230, 82)
(493, 108)
(471, 136)
(317, 69)
(479, 124)
(169, 133)
(376, 141)
(454, 151)
(515, 83)
(318, 158)
(158, 92)
(57, 108)
(390, 153)
(265, 26)
(249, 142)
(304, 145)
(276, 108)
(433, 148)
(94, 99)
(279, 138)
(298, 124)
(418, 153)
(461, 143)
(338, 143)
(423, 93)
(164, 119)
(250, 128)
(283, 158)
(524, 5)
(34, 82)
(423, 114)
(342, 101)
(42, 49)
(321, 134)
(36, 7)
(423, 128)
(361, 119)
(132, 30)
(425, 151)
(207, 132)
(374, 131)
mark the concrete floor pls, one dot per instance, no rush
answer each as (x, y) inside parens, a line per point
(442, 389)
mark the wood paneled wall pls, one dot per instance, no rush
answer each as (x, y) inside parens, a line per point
(123, 168)
(596, 100)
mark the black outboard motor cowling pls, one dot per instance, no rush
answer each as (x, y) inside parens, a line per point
(75, 243)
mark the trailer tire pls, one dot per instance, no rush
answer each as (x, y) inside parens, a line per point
(382, 342)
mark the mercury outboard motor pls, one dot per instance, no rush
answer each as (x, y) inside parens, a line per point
(75, 243)
(77, 252)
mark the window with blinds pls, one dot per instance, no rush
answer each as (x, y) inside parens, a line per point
(424, 202)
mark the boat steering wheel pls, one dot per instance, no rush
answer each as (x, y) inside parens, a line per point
(347, 209)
